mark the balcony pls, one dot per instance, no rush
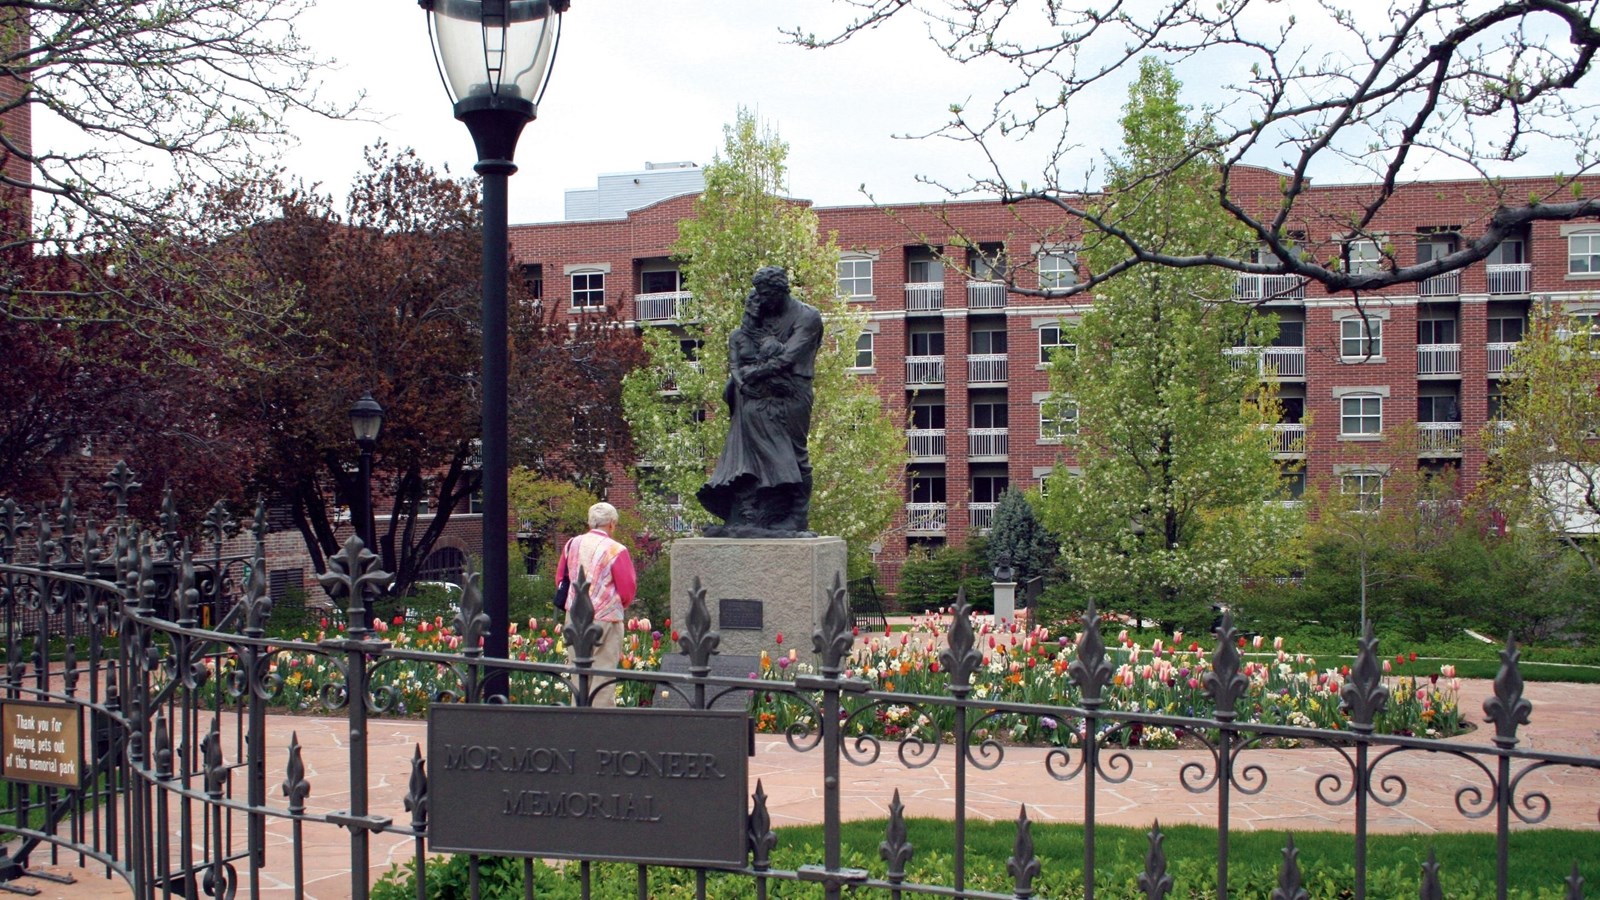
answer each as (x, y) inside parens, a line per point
(1509, 278)
(987, 442)
(924, 370)
(1438, 359)
(1289, 438)
(662, 307)
(925, 297)
(1439, 438)
(1501, 353)
(986, 295)
(980, 516)
(1269, 287)
(986, 368)
(924, 519)
(1446, 285)
(925, 444)
(1271, 362)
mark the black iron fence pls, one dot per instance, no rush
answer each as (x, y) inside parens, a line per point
(172, 790)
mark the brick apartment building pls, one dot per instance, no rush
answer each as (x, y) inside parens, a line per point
(1410, 379)
(16, 125)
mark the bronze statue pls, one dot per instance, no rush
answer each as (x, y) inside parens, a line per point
(762, 484)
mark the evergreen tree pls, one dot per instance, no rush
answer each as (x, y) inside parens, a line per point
(674, 405)
(1017, 534)
(1173, 440)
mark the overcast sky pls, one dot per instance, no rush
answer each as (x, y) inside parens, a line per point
(656, 80)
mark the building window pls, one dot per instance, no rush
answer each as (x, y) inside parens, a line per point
(1362, 414)
(1505, 331)
(988, 342)
(988, 262)
(1436, 331)
(588, 290)
(988, 488)
(691, 347)
(927, 343)
(1294, 484)
(855, 278)
(1058, 269)
(1583, 253)
(1362, 490)
(927, 489)
(533, 280)
(927, 416)
(1361, 337)
(1438, 408)
(1058, 418)
(864, 350)
(1362, 257)
(668, 281)
(1509, 252)
(989, 415)
(1050, 341)
(1291, 333)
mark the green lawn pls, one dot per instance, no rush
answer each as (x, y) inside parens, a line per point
(1540, 862)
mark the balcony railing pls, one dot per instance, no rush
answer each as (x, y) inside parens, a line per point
(1270, 362)
(986, 295)
(1438, 359)
(662, 307)
(924, 370)
(988, 442)
(925, 297)
(1269, 287)
(927, 518)
(980, 516)
(1446, 285)
(1289, 437)
(1501, 353)
(1440, 437)
(925, 443)
(1509, 278)
(986, 368)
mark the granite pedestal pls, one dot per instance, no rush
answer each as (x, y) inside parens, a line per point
(758, 588)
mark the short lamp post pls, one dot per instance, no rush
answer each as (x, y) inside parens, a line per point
(494, 58)
(366, 420)
(1005, 591)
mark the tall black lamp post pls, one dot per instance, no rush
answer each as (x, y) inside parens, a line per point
(366, 420)
(494, 57)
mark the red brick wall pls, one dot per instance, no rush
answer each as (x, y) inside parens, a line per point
(17, 126)
(890, 232)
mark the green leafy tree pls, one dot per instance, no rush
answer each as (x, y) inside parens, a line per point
(1016, 533)
(674, 405)
(1170, 514)
(1544, 472)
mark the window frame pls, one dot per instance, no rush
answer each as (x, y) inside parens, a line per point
(854, 279)
(1058, 268)
(972, 342)
(1362, 264)
(990, 408)
(590, 291)
(1046, 350)
(1591, 255)
(870, 340)
(1054, 425)
(1362, 478)
(1360, 415)
(1369, 331)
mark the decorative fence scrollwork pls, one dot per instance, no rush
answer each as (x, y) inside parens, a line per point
(175, 795)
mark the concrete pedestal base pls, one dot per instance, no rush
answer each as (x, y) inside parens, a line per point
(758, 588)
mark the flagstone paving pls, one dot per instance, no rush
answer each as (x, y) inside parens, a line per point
(1565, 720)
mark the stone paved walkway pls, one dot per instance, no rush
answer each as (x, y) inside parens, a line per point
(1566, 719)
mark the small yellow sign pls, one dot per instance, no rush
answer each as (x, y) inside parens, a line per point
(41, 743)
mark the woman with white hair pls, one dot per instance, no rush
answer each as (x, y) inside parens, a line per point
(606, 564)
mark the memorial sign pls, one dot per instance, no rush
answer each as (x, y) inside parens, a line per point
(42, 743)
(632, 785)
(739, 614)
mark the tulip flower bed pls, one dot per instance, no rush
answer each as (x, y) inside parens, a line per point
(1019, 666)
